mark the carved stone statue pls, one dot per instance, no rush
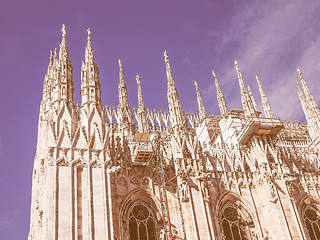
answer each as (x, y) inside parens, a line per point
(184, 187)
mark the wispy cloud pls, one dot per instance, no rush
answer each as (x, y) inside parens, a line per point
(271, 39)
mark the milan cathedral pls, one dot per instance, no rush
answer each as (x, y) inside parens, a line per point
(120, 173)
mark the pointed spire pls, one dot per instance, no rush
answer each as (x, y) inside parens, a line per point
(265, 103)
(220, 97)
(309, 98)
(252, 99)
(140, 98)
(168, 69)
(60, 76)
(55, 54)
(177, 116)
(121, 72)
(303, 102)
(142, 119)
(89, 50)
(202, 111)
(123, 94)
(64, 33)
(90, 79)
(308, 113)
(247, 103)
(51, 57)
(311, 108)
(63, 52)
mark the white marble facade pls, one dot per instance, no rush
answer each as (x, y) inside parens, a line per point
(100, 171)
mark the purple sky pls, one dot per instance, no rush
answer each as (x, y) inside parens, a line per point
(268, 38)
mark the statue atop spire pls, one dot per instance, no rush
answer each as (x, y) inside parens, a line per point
(90, 79)
(89, 33)
(63, 52)
(247, 104)
(64, 33)
(121, 72)
(140, 98)
(220, 97)
(60, 76)
(202, 111)
(123, 94)
(265, 103)
(89, 57)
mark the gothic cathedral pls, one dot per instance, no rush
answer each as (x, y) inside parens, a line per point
(120, 173)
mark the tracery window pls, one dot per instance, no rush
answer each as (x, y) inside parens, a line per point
(141, 223)
(236, 224)
(312, 222)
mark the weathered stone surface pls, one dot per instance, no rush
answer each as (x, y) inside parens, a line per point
(99, 172)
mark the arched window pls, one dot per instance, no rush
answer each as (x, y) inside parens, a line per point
(141, 222)
(311, 217)
(236, 223)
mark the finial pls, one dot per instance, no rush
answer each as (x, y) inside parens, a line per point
(195, 83)
(214, 74)
(55, 53)
(89, 33)
(236, 63)
(138, 79)
(51, 55)
(63, 30)
(257, 78)
(299, 72)
(120, 63)
(166, 57)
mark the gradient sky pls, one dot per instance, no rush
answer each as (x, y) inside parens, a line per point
(268, 38)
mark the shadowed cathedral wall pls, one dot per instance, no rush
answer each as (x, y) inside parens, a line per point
(100, 171)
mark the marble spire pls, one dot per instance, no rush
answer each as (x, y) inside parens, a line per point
(252, 99)
(220, 97)
(143, 125)
(63, 52)
(89, 55)
(310, 108)
(246, 101)
(177, 116)
(123, 93)
(62, 75)
(202, 111)
(309, 98)
(90, 79)
(124, 109)
(264, 100)
(140, 97)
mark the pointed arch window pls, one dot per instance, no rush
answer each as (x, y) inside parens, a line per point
(141, 222)
(311, 217)
(236, 223)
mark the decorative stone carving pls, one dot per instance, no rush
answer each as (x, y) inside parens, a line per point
(236, 155)
(266, 235)
(63, 163)
(184, 187)
(204, 186)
